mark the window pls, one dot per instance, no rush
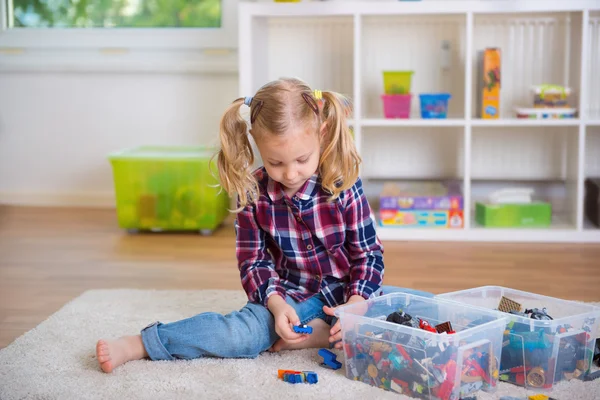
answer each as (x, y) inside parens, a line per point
(132, 24)
(114, 13)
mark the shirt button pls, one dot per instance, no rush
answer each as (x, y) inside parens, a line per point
(318, 277)
(296, 198)
(309, 247)
(299, 219)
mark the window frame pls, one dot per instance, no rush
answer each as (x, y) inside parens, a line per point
(63, 39)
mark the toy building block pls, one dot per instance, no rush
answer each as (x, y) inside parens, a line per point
(303, 329)
(294, 377)
(591, 377)
(444, 327)
(538, 397)
(507, 305)
(426, 327)
(329, 359)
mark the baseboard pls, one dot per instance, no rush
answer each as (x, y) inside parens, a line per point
(59, 199)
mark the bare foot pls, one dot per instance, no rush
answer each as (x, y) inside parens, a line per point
(319, 338)
(112, 353)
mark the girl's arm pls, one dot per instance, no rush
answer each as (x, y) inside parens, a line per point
(257, 271)
(363, 245)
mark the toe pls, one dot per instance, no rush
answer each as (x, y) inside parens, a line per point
(106, 366)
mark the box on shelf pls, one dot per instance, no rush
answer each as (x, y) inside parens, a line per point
(592, 200)
(551, 96)
(538, 352)
(488, 83)
(534, 214)
(168, 188)
(546, 113)
(422, 218)
(417, 362)
(434, 105)
(421, 196)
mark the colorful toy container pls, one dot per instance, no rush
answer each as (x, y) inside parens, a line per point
(168, 189)
(396, 105)
(397, 82)
(434, 105)
(421, 196)
(411, 357)
(546, 339)
(488, 84)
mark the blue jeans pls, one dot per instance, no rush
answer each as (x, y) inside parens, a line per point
(240, 334)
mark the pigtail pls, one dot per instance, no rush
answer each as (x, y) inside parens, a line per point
(235, 158)
(339, 164)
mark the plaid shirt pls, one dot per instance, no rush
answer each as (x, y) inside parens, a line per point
(303, 245)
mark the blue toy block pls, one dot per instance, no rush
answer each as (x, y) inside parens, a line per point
(303, 329)
(311, 377)
(329, 359)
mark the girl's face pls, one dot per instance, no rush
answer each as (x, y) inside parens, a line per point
(290, 159)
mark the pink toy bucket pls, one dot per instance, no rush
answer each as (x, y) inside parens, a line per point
(396, 105)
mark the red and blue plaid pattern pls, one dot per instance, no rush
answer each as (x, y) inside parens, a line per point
(304, 245)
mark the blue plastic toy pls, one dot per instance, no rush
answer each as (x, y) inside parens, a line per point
(329, 359)
(303, 329)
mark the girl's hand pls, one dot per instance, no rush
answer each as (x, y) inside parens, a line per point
(336, 330)
(285, 318)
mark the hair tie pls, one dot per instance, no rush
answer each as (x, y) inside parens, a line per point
(248, 100)
(318, 94)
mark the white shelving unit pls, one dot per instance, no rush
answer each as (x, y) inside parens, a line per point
(344, 46)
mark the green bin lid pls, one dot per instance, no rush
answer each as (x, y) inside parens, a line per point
(164, 153)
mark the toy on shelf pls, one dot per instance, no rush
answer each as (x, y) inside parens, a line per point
(551, 96)
(488, 83)
(434, 106)
(545, 113)
(329, 359)
(294, 377)
(397, 96)
(513, 207)
(303, 329)
(421, 204)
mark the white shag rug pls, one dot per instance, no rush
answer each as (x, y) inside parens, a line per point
(56, 360)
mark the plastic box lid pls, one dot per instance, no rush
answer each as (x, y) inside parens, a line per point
(163, 153)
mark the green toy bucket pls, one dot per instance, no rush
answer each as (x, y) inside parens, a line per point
(397, 82)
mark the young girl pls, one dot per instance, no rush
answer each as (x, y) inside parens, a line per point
(306, 240)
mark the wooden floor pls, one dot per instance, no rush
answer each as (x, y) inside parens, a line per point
(50, 256)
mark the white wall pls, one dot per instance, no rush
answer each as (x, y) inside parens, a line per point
(56, 129)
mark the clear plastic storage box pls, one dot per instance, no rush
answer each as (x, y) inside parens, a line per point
(537, 353)
(417, 362)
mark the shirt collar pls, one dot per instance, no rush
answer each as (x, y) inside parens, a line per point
(276, 193)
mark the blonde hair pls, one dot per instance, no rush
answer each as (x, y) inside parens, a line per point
(274, 110)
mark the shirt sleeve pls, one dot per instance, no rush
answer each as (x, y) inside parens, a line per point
(257, 270)
(363, 245)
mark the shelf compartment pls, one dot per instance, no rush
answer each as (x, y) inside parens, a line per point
(520, 153)
(536, 48)
(318, 50)
(593, 66)
(389, 43)
(413, 153)
(592, 168)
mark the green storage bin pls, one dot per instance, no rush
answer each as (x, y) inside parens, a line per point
(168, 189)
(536, 214)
